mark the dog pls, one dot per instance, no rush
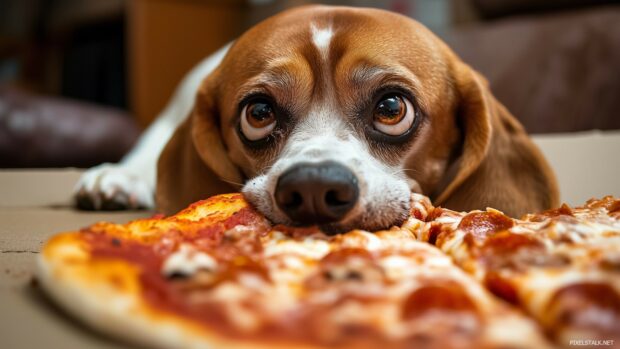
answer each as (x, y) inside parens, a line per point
(331, 116)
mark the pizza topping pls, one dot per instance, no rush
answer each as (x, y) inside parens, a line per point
(483, 224)
(226, 270)
(441, 314)
(501, 287)
(348, 265)
(563, 210)
(187, 261)
(355, 271)
(519, 252)
(397, 240)
(508, 242)
(433, 232)
(609, 203)
(238, 232)
(435, 213)
(308, 247)
(420, 206)
(242, 265)
(594, 306)
(438, 296)
(396, 265)
(611, 262)
(359, 239)
(299, 232)
(344, 255)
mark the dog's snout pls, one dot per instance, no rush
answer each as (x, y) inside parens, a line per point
(317, 193)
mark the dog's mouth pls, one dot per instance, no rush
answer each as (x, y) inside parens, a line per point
(331, 196)
(364, 219)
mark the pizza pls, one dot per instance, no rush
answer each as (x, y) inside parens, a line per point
(219, 275)
(562, 266)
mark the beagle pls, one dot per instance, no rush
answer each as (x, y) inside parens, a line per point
(331, 116)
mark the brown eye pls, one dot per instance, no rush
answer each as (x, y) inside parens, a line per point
(393, 115)
(260, 114)
(390, 110)
(257, 120)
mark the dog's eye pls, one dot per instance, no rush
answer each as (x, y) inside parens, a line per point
(393, 115)
(257, 120)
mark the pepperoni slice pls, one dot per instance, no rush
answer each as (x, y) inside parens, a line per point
(611, 262)
(507, 242)
(442, 315)
(587, 306)
(518, 252)
(342, 255)
(501, 287)
(483, 224)
(446, 296)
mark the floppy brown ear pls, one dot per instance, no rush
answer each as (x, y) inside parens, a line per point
(499, 165)
(194, 164)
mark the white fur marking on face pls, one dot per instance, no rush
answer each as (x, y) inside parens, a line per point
(384, 190)
(321, 37)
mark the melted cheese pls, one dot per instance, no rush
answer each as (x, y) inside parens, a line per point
(187, 261)
(309, 247)
(361, 239)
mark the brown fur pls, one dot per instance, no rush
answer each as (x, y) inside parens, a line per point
(470, 154)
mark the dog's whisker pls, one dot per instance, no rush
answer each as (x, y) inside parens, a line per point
(405, 170)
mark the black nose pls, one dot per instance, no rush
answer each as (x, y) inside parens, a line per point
(316, 193)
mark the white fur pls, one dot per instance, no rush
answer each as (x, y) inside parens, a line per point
(322, 135)
(321, 37)
(135, 175)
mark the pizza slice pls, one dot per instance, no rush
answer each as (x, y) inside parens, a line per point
(561, 266)
(218, 275)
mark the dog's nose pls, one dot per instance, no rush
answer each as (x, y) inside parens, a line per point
(317, 193)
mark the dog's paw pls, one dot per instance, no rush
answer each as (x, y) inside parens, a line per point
(112, 187)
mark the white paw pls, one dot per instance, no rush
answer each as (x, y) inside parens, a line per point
(112, 187)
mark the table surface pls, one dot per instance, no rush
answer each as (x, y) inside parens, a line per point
(35, 205)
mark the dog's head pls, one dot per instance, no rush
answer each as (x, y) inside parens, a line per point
(332, 116)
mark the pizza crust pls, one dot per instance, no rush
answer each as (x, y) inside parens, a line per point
(85, 273)
(71, 280)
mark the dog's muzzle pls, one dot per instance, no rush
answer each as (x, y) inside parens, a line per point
(317, 193)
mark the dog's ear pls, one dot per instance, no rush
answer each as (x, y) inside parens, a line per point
(473, 116)
(498, 166)
(195, 164)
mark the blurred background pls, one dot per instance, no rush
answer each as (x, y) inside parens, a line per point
(79, 79)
